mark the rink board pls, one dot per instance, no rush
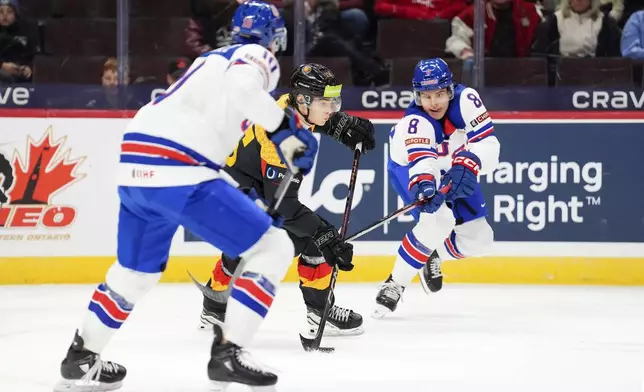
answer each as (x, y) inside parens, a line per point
(565, 204)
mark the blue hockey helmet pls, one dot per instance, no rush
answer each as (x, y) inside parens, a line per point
(256, 22)
(432, 74)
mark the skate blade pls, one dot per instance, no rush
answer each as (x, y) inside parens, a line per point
(380, 312)
(267, 388)
(428, 290)
(218, 386)
(424, 285)
(65, 385)
(332, 331)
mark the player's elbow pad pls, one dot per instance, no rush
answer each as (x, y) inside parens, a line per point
(247, 95)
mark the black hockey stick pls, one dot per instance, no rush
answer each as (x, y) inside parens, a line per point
(392, 216)
(280, 193)
(272, 211)
(314, 344)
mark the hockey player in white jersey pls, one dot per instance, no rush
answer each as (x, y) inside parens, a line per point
(444, 141)
(170, 161)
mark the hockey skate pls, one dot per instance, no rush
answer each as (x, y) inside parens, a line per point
(431, 277)
(84, 371)
(230, 363)
(387, 299)
(341, 322)
(213, 312)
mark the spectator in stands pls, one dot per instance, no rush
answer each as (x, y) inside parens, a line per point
(17, 44)
(511, 27)
(414, 9)
(354, 18)
(613, 8)
(633, 38)
(110, 97)
(109, 78)
(327, 36)
(176, 68)
(579, 29)
(209, 27)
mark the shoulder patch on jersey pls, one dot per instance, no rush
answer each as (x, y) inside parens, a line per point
(479, 119)
(268, 151)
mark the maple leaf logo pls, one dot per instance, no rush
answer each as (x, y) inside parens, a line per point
(46, 170)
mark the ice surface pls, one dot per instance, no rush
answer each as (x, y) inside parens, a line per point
(465, 338)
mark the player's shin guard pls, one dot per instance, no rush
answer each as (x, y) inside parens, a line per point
(82, 370)
(412, 256)
(112, 302)
(253, 292)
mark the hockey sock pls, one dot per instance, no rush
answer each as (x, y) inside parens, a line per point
(112, 303)
(250, 299)
(220, 277)
(450, 249)
(412, 256)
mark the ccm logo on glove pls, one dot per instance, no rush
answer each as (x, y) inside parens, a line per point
(468, 163)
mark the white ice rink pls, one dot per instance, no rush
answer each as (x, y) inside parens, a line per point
(465, 338)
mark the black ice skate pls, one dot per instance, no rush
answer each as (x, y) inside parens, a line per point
(83, 371)
(431, 277)
(341, 322)
(230, 363)
(388, 297)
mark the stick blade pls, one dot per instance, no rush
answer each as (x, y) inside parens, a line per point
(310, 346)
(207, 291)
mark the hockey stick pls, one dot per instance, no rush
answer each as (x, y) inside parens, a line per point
(393, 216)
(314, 344)
(272, 211)
(280, 193)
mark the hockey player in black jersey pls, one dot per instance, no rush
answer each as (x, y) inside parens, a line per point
(316, 96)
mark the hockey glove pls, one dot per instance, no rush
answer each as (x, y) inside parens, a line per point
(462, 176)
(261, 203)
(296, 145)
(335, 252)
(351, 130)
(423, 187)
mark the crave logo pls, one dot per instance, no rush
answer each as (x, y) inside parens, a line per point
(31, 182)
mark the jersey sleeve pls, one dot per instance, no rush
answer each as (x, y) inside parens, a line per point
(253, 72)
(481, 139)
(418, 135)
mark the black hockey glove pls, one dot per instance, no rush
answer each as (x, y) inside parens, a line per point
(351, 130)
(335, 252)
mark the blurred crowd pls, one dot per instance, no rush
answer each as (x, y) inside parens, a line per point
(49, 42)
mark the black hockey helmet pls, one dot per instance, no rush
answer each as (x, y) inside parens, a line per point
(314, 81)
